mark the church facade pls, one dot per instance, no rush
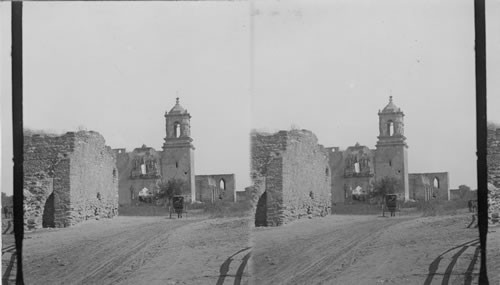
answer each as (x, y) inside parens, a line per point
(355, 169)
(141, 170)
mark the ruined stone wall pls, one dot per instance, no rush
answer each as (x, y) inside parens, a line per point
(59, 171)
(37, 189)
(46, 180)
(336, 161)
(422, 186)
(493, 161)
(306, 177)
(296, 174)
(93, 179)
(129, 184)
(244, 195)
(344, 178)
(266, 175)
(209, 187)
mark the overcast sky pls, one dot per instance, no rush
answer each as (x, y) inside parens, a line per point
(326, 66)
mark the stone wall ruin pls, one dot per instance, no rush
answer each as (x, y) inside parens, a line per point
(292, 172)
(493, 162)
(215, 187)
(68, 179)
(429, 186)
(137, 170)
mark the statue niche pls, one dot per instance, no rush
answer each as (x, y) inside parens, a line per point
(145, 167)
(357, 165)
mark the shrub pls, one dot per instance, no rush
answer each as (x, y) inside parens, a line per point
(440, 207)
(221, 209)
(146, 210)
(356, 208)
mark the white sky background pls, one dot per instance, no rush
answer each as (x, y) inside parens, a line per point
(116, 68)
(326, 66)
(329, 68)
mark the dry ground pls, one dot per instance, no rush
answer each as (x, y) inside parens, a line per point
(333, 250)
(138, 250)
(372, 250)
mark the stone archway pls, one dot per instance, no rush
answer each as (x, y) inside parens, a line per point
(261, 211)
(49, 212)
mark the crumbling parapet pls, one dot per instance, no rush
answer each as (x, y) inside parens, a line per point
(296, 175)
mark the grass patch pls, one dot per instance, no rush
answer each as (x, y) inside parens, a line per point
(143, 210)
(221, 209)
(439, 207)
(356, 208)
(429, 208)
(218, 209)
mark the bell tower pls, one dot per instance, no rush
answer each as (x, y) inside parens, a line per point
(178, 151)
(391, 158)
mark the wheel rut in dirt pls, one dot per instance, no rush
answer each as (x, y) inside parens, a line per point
(317, 255)
(109, 257)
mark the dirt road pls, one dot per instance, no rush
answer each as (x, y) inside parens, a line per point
(142, 250)
(331, 250)
(368, 250)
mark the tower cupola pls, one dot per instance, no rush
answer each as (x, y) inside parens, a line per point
(178, 126)
(391, 125)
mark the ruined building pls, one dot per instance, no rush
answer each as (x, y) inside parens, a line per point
(141, 170)
(68, 179)
(355, 169)
(293, 176)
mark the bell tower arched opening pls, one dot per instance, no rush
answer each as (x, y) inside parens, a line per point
(390, 128)
(177, 129)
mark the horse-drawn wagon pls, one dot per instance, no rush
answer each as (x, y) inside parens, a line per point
(391, 204)
(177, 205)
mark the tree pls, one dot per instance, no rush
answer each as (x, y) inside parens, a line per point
(385, 185)
(171, 188)
(463, 191)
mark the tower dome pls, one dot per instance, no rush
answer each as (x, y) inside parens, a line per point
(391, 108)
(177, 109)
(391, 124)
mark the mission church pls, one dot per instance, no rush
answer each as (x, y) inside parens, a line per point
(354, 170)
(141, 169)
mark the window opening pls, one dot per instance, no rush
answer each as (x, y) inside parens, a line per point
(390, 128)
(356, 167)
(222, 184)
(177, 129)
(436, 182)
